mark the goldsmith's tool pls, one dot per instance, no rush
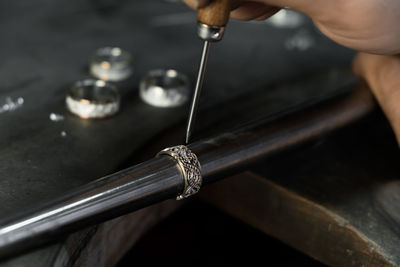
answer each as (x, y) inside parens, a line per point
(212, 20)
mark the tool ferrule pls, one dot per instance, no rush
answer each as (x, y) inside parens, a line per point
(210, 33)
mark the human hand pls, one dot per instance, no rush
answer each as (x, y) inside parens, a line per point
(382, 73)
(365, 25)
(370, 26)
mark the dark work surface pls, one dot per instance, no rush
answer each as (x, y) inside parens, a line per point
(200, 235)
(355, 175)
(46, 46)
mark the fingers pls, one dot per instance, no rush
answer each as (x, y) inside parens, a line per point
(253, 10)
(271, 12)
(382, 73)
(242, 10)
(195, 4)
(313, 8)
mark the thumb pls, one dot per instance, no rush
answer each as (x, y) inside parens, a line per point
(382, 73)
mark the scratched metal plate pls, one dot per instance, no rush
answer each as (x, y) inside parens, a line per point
(46, 46)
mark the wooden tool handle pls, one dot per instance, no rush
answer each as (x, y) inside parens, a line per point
(216, 13)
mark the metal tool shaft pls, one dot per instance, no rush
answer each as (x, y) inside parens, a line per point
(197, 90)
(160, 178)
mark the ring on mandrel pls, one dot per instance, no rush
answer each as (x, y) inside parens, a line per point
(189, 166)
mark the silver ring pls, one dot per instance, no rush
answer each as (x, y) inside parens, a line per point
(93, 99)
(190, 168)
(111, 64)
(165, 88)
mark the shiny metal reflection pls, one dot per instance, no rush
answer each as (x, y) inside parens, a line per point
(160, 178)
(111, 64)
(92, 99)
(164, 88)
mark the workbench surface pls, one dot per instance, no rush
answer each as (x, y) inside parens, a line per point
(46, 46)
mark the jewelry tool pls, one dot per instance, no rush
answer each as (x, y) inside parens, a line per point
(212, 20)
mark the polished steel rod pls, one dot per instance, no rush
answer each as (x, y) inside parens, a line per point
(197, 91)
(160, 178)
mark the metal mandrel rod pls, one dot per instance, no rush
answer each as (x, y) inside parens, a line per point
(161, 178)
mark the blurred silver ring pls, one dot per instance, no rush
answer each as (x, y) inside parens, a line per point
(111, 64)
(91, 99)
(165, 88)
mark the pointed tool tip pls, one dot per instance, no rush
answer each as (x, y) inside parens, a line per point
(196, 95)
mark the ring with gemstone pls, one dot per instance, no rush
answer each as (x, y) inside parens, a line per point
(189, 166)
(91, 99)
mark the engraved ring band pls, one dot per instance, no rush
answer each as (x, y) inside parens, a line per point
(189, 166)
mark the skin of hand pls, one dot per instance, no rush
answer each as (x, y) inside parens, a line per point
(365, 25)
(382, 73)
(369, 26)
